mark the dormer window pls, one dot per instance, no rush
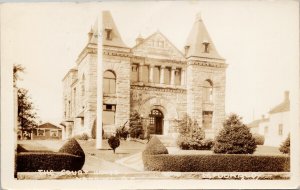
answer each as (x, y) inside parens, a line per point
(206, 46)
(108, 32)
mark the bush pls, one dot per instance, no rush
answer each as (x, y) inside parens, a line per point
(122, 132)
(94, 128)
(34, 161)
(114, 143)
(82, 136)
(234, 138)
(72, 147)
(285, 146)
(155, 146)
(69, 157)
(259, 139)
(217, 163)
(191, 136)
(135, 125)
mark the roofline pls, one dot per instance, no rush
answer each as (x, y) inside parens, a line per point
(71, 70)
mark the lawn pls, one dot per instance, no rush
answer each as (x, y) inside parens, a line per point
(126, 148)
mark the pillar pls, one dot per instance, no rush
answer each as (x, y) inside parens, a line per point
(183, 77)
(141, 72)
(151, 73)
(173, 75)
(162, 74)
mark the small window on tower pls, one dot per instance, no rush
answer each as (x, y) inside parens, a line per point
(108, 33)
(206, 47)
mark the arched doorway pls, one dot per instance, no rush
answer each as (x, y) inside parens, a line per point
(156, 122)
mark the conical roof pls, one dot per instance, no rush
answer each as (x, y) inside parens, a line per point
(199, 43)
(109, 25)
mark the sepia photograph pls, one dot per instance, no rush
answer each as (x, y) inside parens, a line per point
(150, 94)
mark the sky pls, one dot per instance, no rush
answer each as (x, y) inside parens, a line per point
(258, 39)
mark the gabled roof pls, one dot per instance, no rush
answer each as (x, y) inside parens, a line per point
(149, 48)
(48, 126)
(282, 107)
(196, 39)
(109, 24)
(255, 123)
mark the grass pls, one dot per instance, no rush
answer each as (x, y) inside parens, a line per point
(126, 148)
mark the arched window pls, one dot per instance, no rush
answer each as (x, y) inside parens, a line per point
(109, 82)
(208, 91)
(83, 85)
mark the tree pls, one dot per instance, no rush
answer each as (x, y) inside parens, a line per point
(234, 138)
(114, 142)
(26, 111)
(285, 146)
(135, 125)
(16, 70)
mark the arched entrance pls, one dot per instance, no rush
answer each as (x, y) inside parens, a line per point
(156, 122)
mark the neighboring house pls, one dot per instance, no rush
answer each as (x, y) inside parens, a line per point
(254, 125)
(47, 131)
(277, 127)
(153, 77)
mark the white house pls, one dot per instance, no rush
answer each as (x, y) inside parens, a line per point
(276, 127)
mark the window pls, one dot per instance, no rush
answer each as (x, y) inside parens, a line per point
(53, 133)
(109, 83)
(208, 91)
(109, 114)
(266, 130)
(177, 76)
(40, 132)
(82, 122)
(108, 33)
(280, 129)
(134, 72)
(156, 73)
(167, 77)
(207, 119)
(206, 47)
(74, 96)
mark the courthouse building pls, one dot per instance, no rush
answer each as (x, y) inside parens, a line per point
(153, 78)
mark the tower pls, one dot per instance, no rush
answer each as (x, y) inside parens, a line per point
(206, 77)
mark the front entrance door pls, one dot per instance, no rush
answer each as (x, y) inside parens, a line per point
(156, 122)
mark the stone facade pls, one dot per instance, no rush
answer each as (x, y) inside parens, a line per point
(153, 77)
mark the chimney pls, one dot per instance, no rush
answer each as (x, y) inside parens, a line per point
(139, 39)
(286, 96)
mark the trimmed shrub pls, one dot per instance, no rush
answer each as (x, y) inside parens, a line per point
(285, 146)
(155, 146)
(72, 147)
(114, 143)
(234, 138)
(217, 163)
(82, 136)
(259, 139)
(21, 149)
(34, 161)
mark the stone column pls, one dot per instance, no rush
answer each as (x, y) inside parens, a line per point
(141, 72)
(173, 75)
(151, 73)
(162, 74)
(183, 77)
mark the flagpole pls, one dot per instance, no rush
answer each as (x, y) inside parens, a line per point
(99, 85)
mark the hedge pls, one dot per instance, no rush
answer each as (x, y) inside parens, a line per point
(156, 158)
(34, 161)
(69, 157)
(216, 163)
